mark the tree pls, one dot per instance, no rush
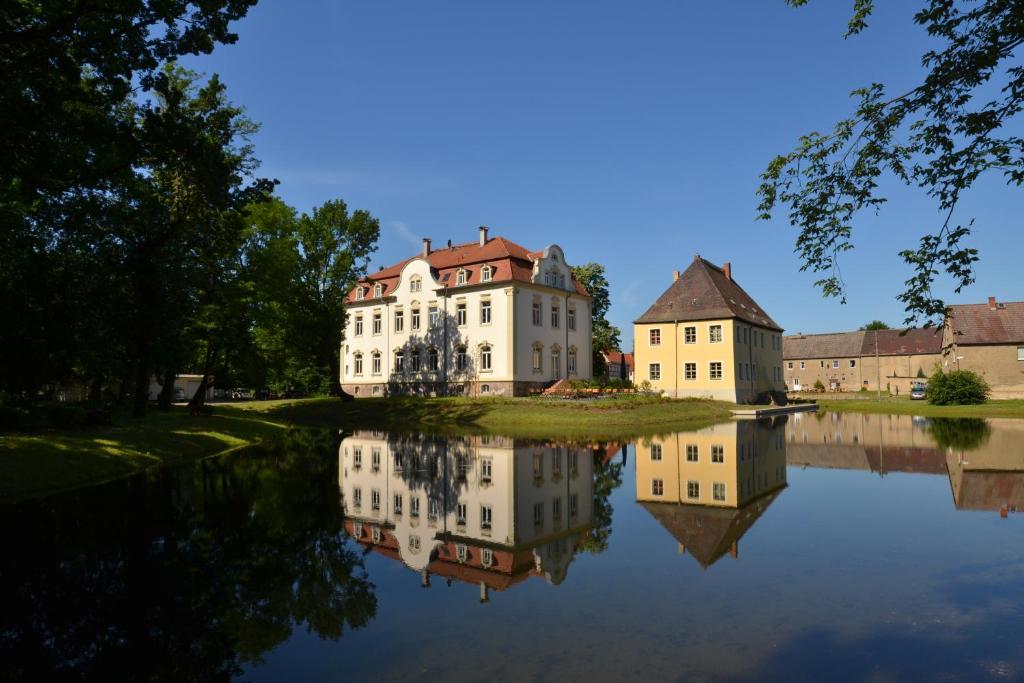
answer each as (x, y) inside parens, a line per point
(606, 335)
(958, 387)
(875, 325)
(940, 136)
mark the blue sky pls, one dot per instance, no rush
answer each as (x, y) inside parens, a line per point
(632, 134)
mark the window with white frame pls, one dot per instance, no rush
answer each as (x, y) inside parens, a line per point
(690, 371)
(357, 497)
(486, 517)
(375, 499)
(414, 506)
(433, 363)
(715, 370)
(414, 360)
(835, 364)
(657, 487)
(485, 357)
(537, 314)
(377, 291)
(718, 491)
(718, 454)
(398, 503)
(460, 277)
(689, 335)
(415, 283)
(654, 371)
(461, 552)
(375, 459)
(1020, 353)
(376, 323)
(360, 292)
(692, 452)
(414, 316)
(789, 365)
(357, 364)
(485, 274)
(655, 451)
(461, 359)
(486, 465)
(538, 358)
(399, 360)
(654, 337)
(433, 316)
(538, 466)
(460, 314)
(555, 313)
(570, 317)
(485, 312)
(357, 457)
(433, 509)
(399, 320)
(715, 334)
(460, 513)
(572, 361)
(486, 557)
(693, 489)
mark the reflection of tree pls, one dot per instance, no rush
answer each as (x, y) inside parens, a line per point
(607, 478)
(446, 338)
(960, 433)
(185, 575)
(431, 465)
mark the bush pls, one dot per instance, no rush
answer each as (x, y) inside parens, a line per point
(956, 388)
(818, 386)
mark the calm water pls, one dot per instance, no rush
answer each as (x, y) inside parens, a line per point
(824, 547)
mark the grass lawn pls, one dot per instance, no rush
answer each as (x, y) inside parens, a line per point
(904, 406)
(32, 465)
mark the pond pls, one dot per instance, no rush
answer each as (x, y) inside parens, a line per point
(831, 546)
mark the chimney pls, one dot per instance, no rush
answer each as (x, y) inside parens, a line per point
(483, 235)
(675, 276)
(992, 302)
(426, 247)
(727, 269)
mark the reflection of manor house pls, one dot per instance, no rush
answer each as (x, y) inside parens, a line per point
(987, 475)
(484, 510)
(708, 487)
(488, 317)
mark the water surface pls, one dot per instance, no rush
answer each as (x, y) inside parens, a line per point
(846, 547)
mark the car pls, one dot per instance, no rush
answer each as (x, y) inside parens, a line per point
(918, 392)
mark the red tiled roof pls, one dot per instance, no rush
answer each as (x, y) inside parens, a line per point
(908, 342)
(508, 261)
(983, 324)
(619, 357)
(703, 292)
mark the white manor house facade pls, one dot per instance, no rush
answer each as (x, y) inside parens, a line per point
(484, 318)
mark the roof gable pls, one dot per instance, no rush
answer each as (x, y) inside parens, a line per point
(705, 292)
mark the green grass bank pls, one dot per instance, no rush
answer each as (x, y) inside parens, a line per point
(33, 465)
(904, 406)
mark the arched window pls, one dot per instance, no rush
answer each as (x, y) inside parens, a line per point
(485, 359)
(538, 357)
(460, 278)
(399, 360)
(357, 363)
(485, 388)
(415, 283)
(359, 293)
(432, 360)
(414, 360)
(375, 362)
(485, 274)
(461, 359)
(571, 360)
(377, 291)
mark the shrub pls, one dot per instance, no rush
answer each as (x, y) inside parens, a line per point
(818, 386)
(959, 387)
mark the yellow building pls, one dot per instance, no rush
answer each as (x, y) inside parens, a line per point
(708, 487)
(706, 337)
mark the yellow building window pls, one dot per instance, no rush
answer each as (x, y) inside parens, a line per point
(690, 335)
(715, 334)
(654, 371)
(655, 337)
(715, 370)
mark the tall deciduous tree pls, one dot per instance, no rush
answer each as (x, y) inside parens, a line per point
(941, 136)
(606, 335)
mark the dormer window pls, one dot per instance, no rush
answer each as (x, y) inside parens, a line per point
(460, 279)
(485, 274)
(359, 293)
(377, 291)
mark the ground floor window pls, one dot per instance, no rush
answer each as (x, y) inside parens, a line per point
(718, 490)
(572, 361)
(657, 487)
(715, 370)
(693, 489)
(690, 371)
(485, 358)
(654, 371)
(461, 359)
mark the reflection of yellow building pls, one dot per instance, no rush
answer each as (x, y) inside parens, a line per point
(485, 510)
(708, 487)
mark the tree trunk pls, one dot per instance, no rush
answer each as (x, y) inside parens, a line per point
(166, 397)
(198, 399)
(140, 399)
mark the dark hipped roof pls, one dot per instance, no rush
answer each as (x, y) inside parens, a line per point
(708, 533)
(829, 345)
(703, 292)
(907, 342)
(1002, 323)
